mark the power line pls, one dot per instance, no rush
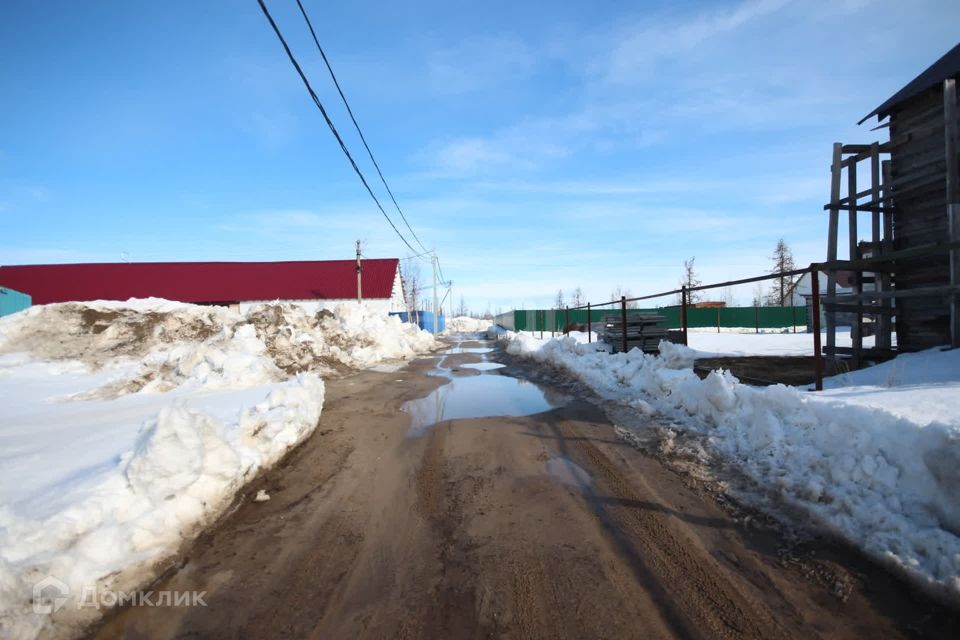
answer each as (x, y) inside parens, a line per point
(330, 124)
(355, 124)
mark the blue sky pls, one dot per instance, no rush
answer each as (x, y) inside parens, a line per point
(537, 146)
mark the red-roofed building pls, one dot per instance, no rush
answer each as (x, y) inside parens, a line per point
(314, 284)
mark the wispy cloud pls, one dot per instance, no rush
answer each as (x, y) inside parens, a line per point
(641, 46)
(479, 63)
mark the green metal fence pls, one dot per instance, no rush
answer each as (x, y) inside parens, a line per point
(725, 317)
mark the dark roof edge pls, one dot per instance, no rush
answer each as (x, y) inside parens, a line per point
(947, 66)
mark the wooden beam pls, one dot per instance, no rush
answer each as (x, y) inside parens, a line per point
(856, 331)
(919, 292)
(953, 198)
(832, 232)
(884, 339)
(866, 206)
(858, 308)
(868, 353)
(925, 251)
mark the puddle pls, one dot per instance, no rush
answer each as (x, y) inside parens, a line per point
(483, 396)
(568, 472)
(456, 350)
(483, 366)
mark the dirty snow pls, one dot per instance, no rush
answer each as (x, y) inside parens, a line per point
(466, 324)
(127, 426)
(874, 459)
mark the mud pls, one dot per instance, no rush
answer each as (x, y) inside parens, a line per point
(538, 526)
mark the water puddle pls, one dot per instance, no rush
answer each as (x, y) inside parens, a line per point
(568, 472)
(483, 366)
(456, 350)
(482, 396)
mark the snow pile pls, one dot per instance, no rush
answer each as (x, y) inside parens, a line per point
(466, 324)
(209, 347)
(877, 463)
(128, 426)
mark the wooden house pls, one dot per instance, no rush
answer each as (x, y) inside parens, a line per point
(907, 271)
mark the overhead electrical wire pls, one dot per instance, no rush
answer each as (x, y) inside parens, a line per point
(363, 139)
(330, 124)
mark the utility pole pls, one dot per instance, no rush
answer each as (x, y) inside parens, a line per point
(359, 276)
(436, 305)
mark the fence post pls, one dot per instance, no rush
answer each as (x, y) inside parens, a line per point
(623, 319)
(683, 313)
(718, 319)
(815, 310)
(553, 321)
(566, 322)
(793, 307)
(756, 318)
(589, 338)
(543, 321)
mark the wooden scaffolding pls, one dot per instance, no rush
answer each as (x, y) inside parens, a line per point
(906, 277)
(871, 302)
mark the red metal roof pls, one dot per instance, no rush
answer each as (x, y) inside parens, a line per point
(221, 282)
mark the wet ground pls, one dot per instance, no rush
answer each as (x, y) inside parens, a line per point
(762, 370)
(476, 396)
(504, 508)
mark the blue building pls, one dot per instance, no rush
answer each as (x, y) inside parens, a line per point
(12, 301)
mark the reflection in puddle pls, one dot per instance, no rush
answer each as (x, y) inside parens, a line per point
(483, 396)
(568, 472)
(482, 366)
(456, 350)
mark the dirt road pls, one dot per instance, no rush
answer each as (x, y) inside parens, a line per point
(537, 526)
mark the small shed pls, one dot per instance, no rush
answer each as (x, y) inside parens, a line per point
(12, 301)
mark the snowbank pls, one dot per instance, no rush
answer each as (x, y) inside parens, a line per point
(128, 426)
(466, 324)
(875, 459)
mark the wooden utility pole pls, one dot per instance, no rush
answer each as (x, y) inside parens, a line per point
(436, 304)
(359, 276)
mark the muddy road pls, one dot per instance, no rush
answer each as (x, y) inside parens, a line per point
(406, 516)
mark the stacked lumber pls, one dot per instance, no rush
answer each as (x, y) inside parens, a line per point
(644, 332)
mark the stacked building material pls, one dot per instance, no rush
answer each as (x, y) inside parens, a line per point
(644, 331)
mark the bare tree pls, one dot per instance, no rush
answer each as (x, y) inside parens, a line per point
(726, 296)
(620, 292)
(758, 298)
(577, 297)
(690, 279)
(410, 281)
(782, 287)
(558, 303)
(462, 309)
